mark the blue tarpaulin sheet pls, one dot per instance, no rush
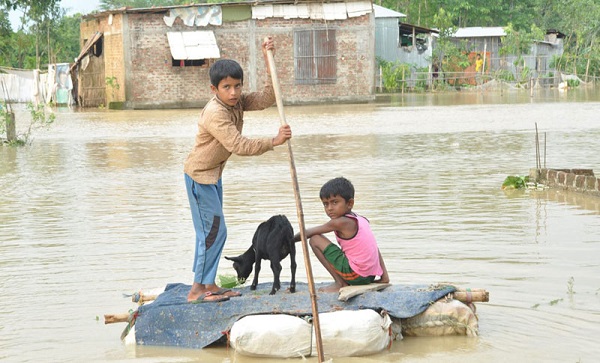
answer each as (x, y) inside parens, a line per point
(171, 321)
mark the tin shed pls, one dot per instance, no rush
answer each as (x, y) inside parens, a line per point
(488, 42)
(401, 42)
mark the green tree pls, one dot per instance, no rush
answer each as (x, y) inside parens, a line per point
(5, 38)
(580, 23)
(65, 39)
(519, 43)
(450, 58)
(39, 16)
(467, 12)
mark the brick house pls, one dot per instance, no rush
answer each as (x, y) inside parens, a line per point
(159, 57)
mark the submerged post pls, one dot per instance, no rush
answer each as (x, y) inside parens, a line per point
(11, 129)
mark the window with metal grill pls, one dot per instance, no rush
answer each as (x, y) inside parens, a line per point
(315, 56)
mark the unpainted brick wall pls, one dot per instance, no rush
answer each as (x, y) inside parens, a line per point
(152, 81)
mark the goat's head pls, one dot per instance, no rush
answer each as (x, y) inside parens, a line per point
(243, 266)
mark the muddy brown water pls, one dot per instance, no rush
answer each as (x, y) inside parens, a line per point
(96, 207)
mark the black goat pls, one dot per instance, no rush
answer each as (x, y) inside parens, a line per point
(273, 240)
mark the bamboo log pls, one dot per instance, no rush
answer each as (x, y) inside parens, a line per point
(140, 298)
(116, 318)
(464, 295)
(468, 296)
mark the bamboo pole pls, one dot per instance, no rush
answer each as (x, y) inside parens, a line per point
(544, 150)
(484, 57)
(538, 163)
(309, 275)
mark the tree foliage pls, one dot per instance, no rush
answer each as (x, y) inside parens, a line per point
(43, 35)
(580, 21)
(34, 7)
(518, 42)
(448, 57)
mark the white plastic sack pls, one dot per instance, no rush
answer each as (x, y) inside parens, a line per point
(348, 333)
(344, 333)
(281, 336)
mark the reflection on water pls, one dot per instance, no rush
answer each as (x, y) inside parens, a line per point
(569, 198)
(96, 207)
(502, 95)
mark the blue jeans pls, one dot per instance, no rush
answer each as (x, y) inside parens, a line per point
(206, 204)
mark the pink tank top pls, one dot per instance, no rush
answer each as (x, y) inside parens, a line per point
(361, 250)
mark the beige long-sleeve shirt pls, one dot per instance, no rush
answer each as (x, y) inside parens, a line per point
(220, 135)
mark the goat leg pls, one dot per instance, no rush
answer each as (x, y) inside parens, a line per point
(256, 271)
(293, 269)
(276, 267)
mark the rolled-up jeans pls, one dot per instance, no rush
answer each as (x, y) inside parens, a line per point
(206, 204)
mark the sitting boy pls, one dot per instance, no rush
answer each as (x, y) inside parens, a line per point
(359, 261)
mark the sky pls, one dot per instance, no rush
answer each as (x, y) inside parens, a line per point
(71, 6)
(79, 6)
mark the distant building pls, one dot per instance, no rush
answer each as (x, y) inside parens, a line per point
(488, 42)
(159, 57)
(387, 36)
(396, 41)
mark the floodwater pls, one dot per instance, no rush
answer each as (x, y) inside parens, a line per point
(96, 208)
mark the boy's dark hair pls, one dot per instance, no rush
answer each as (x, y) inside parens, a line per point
(224, 68)
(338, 186)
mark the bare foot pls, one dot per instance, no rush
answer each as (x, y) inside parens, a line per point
(331, 288)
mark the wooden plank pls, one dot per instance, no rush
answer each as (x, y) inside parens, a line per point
(348, 292)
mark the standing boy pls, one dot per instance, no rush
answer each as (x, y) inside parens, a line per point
(220, 135)
(358, 261)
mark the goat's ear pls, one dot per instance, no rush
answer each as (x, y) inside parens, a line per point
(234, 259)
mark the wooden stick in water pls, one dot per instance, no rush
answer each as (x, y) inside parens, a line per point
(116, 318)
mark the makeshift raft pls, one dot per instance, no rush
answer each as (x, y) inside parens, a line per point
(417, 310)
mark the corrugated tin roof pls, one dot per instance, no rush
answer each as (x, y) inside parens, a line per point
(418, 29)
(164, 9)
(477, 31)
(381, 12)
